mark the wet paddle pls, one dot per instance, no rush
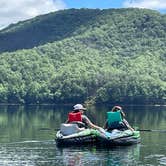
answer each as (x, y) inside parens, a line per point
(150, 130)
(143, 130)
(47, 129)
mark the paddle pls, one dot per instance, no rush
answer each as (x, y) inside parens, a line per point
(146, 130)
(46, 129)
(150, 130)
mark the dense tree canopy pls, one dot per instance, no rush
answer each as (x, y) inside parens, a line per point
(104, 56)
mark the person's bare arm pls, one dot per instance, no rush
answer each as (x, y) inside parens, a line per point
(90, 124)
(127, 124)
(105, 125)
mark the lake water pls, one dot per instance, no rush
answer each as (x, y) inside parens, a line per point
(27, 138)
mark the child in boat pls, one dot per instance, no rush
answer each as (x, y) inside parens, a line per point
(122, 124)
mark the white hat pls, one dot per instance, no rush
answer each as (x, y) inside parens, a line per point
(78, 107)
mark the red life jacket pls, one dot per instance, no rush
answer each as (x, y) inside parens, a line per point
(72, 116)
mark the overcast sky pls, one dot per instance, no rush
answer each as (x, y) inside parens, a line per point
(12, 11)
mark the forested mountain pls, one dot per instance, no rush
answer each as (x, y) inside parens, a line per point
(77, 55)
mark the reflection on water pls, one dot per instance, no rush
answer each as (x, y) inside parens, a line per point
(27, 138)
(94, 156)
(46, 153)
(27, 153)
(19, 123)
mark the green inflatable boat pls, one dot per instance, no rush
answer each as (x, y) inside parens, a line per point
(91, 136)
(88, 136)
(70, 134)
(119, 138)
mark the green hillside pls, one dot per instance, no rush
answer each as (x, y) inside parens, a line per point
(77, 55)
(46, 28)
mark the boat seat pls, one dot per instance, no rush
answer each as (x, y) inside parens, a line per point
(68, 129)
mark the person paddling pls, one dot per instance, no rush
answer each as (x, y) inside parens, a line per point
(119, 121)
(77, 116)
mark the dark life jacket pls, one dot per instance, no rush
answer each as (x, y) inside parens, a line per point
(75, 117)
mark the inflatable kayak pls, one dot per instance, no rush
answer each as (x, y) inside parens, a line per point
(118, 138)
(87, 136)
(91, 136)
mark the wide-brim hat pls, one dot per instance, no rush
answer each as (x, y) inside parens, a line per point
(78, 107)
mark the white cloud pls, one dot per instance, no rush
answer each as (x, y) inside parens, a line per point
(150, 4)
(12, 11)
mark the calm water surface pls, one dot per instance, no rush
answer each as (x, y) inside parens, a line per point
(27, 138)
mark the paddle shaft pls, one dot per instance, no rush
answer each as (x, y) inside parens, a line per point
(150, 130)
(146, 130)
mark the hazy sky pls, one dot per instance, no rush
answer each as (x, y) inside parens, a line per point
(12, 11)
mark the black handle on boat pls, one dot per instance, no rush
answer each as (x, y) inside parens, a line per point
(150, 130)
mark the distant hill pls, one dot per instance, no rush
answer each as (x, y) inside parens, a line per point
(46, 28)
(77, 55)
